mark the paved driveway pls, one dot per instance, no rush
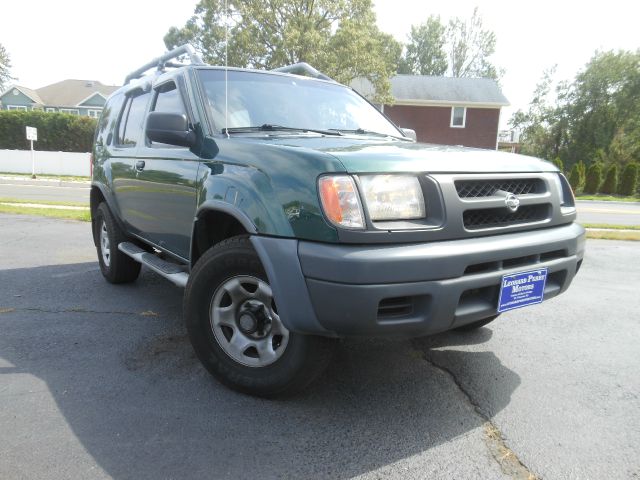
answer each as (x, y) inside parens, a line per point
(99, 381)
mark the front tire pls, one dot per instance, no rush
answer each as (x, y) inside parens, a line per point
(116, 267)
(235, 329)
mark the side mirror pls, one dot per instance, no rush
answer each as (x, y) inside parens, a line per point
(409, 132)
(170, 128)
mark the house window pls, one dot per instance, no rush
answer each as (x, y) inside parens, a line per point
(458, 117)
(51, 109)
(36, 108)
(71, 111)
(17, 107)
(93, 113)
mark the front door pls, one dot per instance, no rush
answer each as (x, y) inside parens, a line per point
(166, 193)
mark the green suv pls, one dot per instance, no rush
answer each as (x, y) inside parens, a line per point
(295, 213)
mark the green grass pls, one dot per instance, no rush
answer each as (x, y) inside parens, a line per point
(610, 227)
(608, 198)
(44, 202)
(82, 215)
(68, 178)
(609, 235)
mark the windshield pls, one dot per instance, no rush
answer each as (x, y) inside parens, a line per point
(258, 99)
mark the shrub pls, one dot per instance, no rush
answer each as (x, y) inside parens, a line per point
(594, 178)
(583, 171)
(558, 163)
(576, 180)
(56, 131)
(610, 185)
(628, 180)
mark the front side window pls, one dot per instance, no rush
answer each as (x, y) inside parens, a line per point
(131, 120)
(255, 99)
(458, 116)
(168, 100)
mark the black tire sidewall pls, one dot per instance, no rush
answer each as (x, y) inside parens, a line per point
(222, 262)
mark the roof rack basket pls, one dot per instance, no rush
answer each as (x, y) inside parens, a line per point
(162, 61)
(303, 69)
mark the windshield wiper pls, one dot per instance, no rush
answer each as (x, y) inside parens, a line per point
(362, 131)
(268, 127)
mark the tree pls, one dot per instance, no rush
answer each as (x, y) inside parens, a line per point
(594, 178)
(604, 107)
(470, 45)
(5, 68)
(629, 180)
(339, 37)
(426, 53)
(610, 184)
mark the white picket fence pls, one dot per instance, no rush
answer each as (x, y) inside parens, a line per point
(47, 163)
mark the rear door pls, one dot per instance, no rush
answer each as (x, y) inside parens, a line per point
(166, 179)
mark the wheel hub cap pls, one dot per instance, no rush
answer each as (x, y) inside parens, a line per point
(245, 322)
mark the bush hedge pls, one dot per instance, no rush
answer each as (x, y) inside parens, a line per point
(576, 178)
(57, 132)
(629, 180)
(610, 184)
(594, 178)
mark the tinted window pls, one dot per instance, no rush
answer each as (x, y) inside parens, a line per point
(131, 120)
(169, 100)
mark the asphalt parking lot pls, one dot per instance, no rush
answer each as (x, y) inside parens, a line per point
(99, 381)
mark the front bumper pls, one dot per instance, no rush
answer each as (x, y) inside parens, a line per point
(409, 289)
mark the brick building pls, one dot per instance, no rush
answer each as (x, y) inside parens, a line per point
(445, 110)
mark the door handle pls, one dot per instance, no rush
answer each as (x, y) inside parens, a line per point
(140, 165)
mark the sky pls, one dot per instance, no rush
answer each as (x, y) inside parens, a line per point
(49, 41)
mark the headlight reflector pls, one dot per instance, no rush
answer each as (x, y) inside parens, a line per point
(340, 201)
(393, 197)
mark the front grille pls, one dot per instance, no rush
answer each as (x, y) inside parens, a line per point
(488, 188)
(501, 217)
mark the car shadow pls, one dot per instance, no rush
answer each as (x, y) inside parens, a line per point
(125, 381)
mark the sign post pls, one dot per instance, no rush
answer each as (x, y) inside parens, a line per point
(32, 135)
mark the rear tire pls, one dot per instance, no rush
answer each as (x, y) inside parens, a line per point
(116, 267)
(236, 332)
(475, 325)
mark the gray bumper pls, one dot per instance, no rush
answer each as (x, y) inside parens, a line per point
(409, 289)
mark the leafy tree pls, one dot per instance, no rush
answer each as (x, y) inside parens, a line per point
(470, 45)
(596, 116)
(426, 53)
(610, 184)
(543, 126)
(604, 106)
(576, 178)
(629, 180)
(594, 178)
(5, 68)
(339, 37)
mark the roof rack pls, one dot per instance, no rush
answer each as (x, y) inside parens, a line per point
(163, 61)
(304, 69)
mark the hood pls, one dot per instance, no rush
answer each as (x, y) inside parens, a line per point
(372, 155)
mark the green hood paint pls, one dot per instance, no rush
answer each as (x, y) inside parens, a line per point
(366, 154)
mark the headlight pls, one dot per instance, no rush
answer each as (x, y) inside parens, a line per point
(340, 201)
(565, 191)
(393, 197)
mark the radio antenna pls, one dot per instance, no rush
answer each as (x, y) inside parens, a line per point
(226, 68)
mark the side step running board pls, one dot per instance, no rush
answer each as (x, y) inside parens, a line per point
(171, 271)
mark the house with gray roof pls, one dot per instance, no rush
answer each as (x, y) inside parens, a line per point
(444, 110)
(77, 97)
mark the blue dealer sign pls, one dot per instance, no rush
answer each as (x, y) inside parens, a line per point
(522, 289)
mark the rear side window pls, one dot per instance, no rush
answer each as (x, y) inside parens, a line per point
(131, 120)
